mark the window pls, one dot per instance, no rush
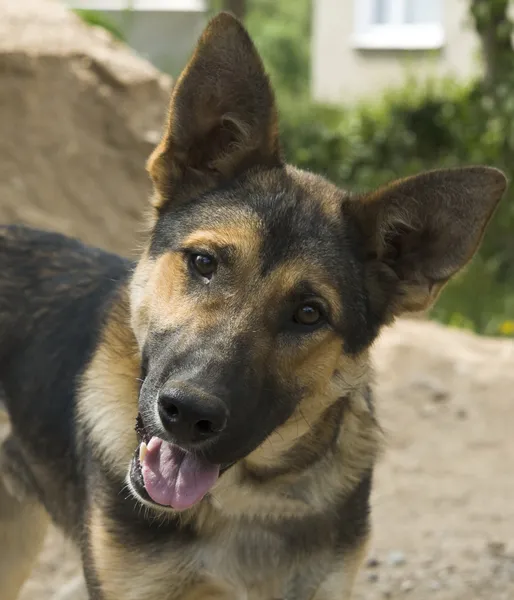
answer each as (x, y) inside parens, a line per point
(398, 24)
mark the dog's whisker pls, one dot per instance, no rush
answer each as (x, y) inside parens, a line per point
(279, 433)
(304, 418)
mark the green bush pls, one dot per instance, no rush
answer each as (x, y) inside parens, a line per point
(417, 128)
(95, 18)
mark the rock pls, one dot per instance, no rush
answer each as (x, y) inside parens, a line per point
(396, 558)
(407, 585)
(80, 114)
(432, 387)
(496, 549)
(462, 414)
(372, 562)
(427, 411)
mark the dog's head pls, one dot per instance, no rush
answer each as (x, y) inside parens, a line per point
(263, 287)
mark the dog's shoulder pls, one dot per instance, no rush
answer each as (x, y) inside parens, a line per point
(55, 293)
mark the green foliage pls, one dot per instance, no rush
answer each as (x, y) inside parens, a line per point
(283, 32)
(97, 19)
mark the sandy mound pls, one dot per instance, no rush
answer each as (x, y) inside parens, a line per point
(79, 115)
(443, 508)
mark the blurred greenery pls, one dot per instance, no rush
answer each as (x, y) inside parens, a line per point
(420, 126)
(97, 19)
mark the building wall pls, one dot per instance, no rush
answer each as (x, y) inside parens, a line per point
(344, 73)
(165, 38)
(162, 31)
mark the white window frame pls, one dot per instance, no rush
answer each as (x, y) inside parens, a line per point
(395, 35)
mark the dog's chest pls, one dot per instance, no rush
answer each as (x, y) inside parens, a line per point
(262, 564)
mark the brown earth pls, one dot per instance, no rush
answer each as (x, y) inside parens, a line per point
(443, 501)
(79, 115)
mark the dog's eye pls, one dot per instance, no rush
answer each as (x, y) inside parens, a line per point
(307, 314)
(204, 264)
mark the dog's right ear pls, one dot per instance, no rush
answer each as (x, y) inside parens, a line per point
(222, 116)
(422, 230)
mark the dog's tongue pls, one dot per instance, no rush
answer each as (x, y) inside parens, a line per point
(174, 477)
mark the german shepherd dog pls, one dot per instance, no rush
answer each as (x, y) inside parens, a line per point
(202, 423)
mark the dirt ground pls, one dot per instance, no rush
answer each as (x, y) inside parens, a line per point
(443, 502)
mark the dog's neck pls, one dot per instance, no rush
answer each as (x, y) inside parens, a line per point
(324, 466)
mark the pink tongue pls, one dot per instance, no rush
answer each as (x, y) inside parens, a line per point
(174, 477)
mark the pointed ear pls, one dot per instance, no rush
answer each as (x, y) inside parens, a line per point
(422, 230)
(222, 116)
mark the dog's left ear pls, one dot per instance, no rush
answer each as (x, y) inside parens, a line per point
(222, 116)
(422, 230)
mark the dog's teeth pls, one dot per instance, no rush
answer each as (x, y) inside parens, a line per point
(142, 452)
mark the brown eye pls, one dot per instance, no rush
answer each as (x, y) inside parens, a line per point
(307, 314)
(204, 265)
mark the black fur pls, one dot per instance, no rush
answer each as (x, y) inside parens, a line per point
(54, 299)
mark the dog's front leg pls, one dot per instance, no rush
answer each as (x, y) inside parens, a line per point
(75, 589)
(23, 524)
(122, 564)
(23, 521)
(339, 584)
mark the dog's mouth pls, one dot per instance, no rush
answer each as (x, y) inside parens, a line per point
(169, 475)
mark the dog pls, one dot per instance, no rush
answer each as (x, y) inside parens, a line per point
(201, 423)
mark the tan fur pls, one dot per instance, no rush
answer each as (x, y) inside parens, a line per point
(244, 237)
(327, 387)
(163, 579)
(223, 574)
(286, 276)
(107, 382)
(233, 496)
(331, 380)
(110, 387)
(159, 298)
(340, 583)
(359, 445)
(158, 287)
(23, 524)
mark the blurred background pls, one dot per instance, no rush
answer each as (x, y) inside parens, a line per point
(368, 91)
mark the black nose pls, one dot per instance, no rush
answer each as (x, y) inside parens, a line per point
(191, 417)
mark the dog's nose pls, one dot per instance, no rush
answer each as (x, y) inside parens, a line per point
(191, 417)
